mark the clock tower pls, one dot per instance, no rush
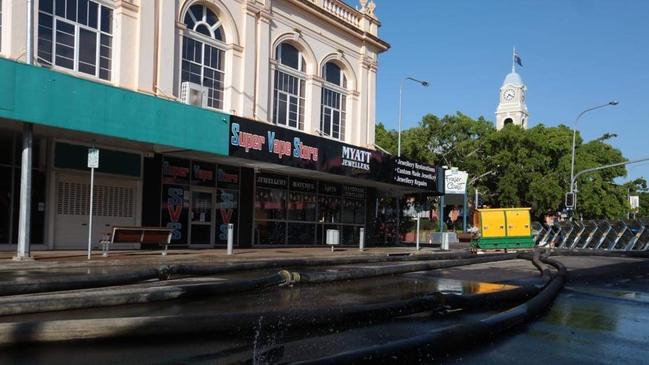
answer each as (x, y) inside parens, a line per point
(512, 108)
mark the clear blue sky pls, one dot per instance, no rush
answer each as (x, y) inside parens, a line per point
(576, 54)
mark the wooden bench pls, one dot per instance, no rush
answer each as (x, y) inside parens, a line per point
(142, 235)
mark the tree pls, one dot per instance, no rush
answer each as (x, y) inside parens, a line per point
(532, 166)
(386, 139)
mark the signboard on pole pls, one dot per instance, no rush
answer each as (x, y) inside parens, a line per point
(93, 163)
(634, 202)
(455, 181)
(93, 158)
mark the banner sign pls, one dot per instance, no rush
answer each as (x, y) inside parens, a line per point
(455, 181)
(268, 143)
(634, 202)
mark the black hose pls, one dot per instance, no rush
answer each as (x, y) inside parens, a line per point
(76, 282)
(364, 273)
(165, 272)
(434, 344)
(238, 323)
(105, 297)
(94, 298)
(587, 252)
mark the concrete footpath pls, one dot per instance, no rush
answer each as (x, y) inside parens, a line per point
(75, 259)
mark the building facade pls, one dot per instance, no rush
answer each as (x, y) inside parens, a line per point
(259, 113)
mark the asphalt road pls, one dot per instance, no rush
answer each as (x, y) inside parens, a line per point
(601, 317)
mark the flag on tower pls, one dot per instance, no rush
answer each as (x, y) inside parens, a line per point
(517, 59)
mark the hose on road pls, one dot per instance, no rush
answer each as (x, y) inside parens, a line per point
(72, 282)
(432, 346)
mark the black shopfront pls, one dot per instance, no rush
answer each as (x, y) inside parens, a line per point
(300, 186)
(279, 187)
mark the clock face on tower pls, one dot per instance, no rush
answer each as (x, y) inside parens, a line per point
(509, 94)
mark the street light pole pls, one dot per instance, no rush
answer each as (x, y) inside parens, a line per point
(492, 172)
(424, 84)
(574, 139)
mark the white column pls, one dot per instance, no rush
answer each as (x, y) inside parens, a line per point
(263, 92)
(169, 50)
(125, 55)
(146, 47)
(362, 114)
(369, 139)
(14, 29)
(248, 63)
(313, 104)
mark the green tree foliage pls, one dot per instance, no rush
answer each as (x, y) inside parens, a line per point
(386, 139)
(532, 166)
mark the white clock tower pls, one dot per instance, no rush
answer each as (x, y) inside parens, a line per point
(512, 108)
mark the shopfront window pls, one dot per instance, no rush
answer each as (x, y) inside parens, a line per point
(10, 160)
(199, 200)
(311, 208)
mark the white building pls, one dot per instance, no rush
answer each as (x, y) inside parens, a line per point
(278, 139)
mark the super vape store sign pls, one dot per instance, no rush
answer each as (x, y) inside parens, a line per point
(267, 143)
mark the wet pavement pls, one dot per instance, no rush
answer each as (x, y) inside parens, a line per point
(601, 317)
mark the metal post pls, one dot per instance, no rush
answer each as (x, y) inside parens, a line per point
(418, 218)
(24, 215)
(29, 52)
(476, 198)
(230, 239)
(92, 189)
(464, 213)
(361, 240)
(400, 118)
(441, 214)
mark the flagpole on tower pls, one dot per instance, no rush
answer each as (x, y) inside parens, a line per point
(514, 60)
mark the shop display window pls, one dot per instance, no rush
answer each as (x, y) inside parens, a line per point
(227, 211)
(330, 209)
(270, 204)
(270, 233)
(301, 233)
(302, 207)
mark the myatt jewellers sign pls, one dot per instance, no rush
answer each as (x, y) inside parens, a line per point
(267, 143)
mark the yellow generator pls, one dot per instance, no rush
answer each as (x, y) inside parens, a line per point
(506, 228)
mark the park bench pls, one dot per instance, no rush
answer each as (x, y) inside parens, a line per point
(142, 235)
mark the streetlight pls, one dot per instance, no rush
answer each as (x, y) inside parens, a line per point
(492, 172)
(574, 139)
(422, 83)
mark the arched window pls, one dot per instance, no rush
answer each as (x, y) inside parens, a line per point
(203, 55)
(509, 121)
(289, 87)
(77, 35)
(334, 101)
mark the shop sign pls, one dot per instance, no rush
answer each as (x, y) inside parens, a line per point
(330, 189)
(175, 171)
(267, 143)
(202, 173)
(272, 181)
(414, 174)
(455, 181)
(302, 185)
(353, 192)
